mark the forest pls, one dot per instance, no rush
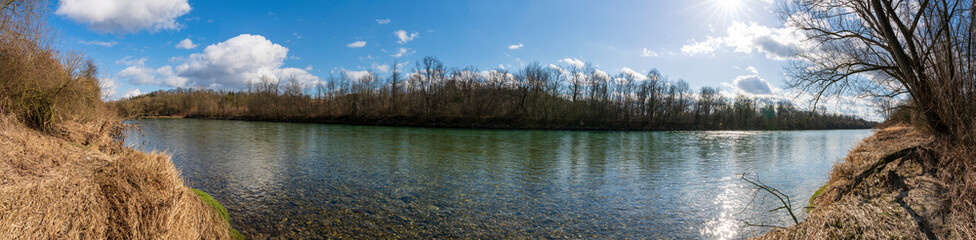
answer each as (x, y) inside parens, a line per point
(533, 97)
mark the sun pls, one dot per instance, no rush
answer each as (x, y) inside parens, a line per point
(727, 4)
(727, 8)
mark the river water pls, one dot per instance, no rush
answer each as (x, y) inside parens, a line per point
(296, 180)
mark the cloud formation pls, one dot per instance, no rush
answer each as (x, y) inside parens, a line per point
(355, 75)
(648, 53)
(100, 43)
(633, 74)
(163, 76)
(186, 44)
(776, 43)
(752, 70)
(108, 88)
(356, 44)
(132, 92)
(239, 60)
(572, 61)
(231, 64)
(383, 21)
(124, 16)
(128, 60)
(752, 84)
(404, 36)
(403, 52)
(515, 46)
(705, 47)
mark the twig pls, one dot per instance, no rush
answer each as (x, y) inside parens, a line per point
(783, 198)
(762, 225)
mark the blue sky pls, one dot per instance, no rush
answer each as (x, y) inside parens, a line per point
(733, 44)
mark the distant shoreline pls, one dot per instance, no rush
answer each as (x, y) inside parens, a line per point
(483, 124)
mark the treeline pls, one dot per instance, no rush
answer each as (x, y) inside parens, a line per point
(536, 97)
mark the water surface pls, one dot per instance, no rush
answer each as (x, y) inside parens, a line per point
(293, 180)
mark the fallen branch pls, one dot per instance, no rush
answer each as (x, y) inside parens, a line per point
(784, 199)
(876, 167)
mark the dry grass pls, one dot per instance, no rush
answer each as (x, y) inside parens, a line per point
(51, 188)
(902, 199)
(956, 166)
(64, 174)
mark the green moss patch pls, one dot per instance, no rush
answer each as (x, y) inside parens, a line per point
(810, 205)
(220, 210)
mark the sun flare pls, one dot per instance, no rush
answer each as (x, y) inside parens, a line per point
(727, 8)
(728, 4)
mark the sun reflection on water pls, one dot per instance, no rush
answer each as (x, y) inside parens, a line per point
(726, 225)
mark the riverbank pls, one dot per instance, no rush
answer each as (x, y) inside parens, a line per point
(890, 186)
(83, 184)
(488, 123)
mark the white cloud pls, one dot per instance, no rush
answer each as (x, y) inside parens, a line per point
(163, 76)
(100, 43)
(229, 65)
(600, 74)
(132, 92)
(560, 69)
(108, 87)
(356, 44)
(356, 75)
(706, 47)
(186, 44)
(124, 16)
(404, 36)
(752, 84)
(776, 43)
(383, 21)
(648, 53)
(573, 61)
(634, 74)
(516, 46)
(239, 60)
(752, 70)
(382, 68)
(127, 60)
(403, 52)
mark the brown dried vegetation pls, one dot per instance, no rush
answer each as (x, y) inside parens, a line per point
(900, 183)
(64, 172)
(51, 188)
(908, 181)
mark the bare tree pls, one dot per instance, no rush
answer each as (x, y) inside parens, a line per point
(431, 72)
(394, 84)
(884, 48)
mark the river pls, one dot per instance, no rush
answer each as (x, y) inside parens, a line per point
(298, 180)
